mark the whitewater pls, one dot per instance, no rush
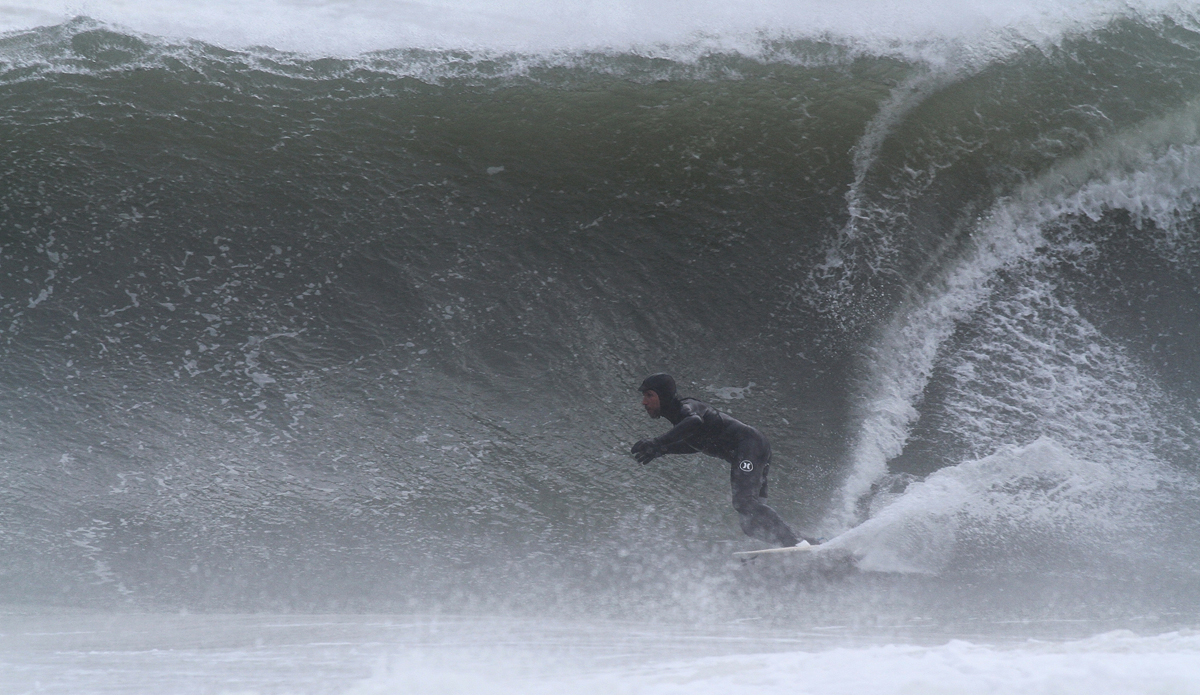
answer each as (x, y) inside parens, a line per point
(321, 322)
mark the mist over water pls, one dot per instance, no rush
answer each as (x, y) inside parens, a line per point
(341, 307)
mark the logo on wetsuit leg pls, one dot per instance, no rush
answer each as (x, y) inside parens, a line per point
(746, 466)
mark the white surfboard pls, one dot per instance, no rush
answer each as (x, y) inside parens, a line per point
(751, 554)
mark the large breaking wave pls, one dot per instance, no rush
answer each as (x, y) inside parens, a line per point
(289, 330)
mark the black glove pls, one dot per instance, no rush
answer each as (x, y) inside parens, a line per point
(646, 450)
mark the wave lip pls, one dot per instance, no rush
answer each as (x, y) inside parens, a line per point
(355, 26)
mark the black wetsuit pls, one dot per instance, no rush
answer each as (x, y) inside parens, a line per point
(699, 427)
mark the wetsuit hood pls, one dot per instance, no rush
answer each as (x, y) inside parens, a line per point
(664, 386)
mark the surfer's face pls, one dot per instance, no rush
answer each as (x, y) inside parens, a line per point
(651, 404)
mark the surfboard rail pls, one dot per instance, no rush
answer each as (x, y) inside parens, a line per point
(750, 554)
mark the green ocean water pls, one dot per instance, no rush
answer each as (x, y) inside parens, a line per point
(284, 332)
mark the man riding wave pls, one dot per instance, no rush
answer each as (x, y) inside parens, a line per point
(701, 428)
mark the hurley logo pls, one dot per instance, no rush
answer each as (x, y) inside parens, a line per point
(746, 466)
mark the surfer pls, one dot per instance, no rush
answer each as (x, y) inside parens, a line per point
(699, 427)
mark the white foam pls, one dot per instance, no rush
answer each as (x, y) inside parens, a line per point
(343, 27)
(1116, 662)
(1035, 364)
(1153, 172)
(730, 393)
(135, 654)
(1038, 491)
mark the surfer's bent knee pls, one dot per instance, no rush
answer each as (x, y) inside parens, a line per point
(746, 503)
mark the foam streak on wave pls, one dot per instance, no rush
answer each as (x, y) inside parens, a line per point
(1154, 174)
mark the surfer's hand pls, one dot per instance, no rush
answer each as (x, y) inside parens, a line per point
(646, 455)
(645, 451)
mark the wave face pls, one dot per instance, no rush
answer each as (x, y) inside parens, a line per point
(281, 330)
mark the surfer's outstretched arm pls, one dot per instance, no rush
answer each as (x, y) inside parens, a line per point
(682, 431)
(646, 450)
(679, 448)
